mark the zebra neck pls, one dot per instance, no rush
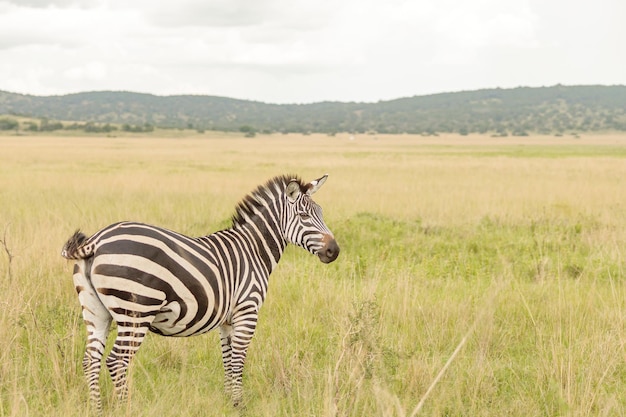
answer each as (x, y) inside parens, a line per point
(258, 219)
(266, 238)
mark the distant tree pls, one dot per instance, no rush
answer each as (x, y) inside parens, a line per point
(8, 124)
(248, 130)
(501, 133)
(91, 127)
(137, 129)
(49, 126)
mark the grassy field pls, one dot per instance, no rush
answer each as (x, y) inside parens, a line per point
(509, 249)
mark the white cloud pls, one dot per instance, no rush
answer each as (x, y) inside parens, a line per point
(92, 71)
(216, 13)
(493, 23)
(300, 51)
(45, 4)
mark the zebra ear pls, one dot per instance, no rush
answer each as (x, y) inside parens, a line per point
(293, 190)
(315, 185)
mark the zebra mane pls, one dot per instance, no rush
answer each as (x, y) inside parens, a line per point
(261, 196)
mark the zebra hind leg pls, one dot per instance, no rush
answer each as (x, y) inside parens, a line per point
(98, 321)
(129, 338)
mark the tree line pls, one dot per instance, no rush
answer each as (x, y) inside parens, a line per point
(44, 125)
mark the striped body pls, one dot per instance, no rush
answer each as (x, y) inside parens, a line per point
(173, 283)
(146, 278)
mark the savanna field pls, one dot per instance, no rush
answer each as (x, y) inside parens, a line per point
(500, 258)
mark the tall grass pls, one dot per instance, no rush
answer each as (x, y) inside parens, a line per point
(510, 251)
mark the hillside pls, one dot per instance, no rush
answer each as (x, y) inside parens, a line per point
(518, 111)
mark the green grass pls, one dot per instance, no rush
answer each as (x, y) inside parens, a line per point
(523, 256)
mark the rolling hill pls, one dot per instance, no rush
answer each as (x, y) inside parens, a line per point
(517, 111)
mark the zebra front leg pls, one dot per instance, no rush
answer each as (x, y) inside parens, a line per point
(98, 322)
(226, 331)
(243, 330)
(129, 338)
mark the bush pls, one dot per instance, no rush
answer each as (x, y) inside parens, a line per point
(138, 129)
(8, 124)
(48, 126)
(91, 127)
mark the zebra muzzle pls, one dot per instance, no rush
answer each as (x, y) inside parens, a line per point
(329, 251)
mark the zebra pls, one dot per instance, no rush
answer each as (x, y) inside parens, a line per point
(150, 279)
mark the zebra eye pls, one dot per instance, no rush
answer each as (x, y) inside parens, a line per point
(304, 216)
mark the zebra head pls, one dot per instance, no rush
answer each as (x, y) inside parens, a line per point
(304, 224)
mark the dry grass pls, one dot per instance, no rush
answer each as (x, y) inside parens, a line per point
(519, 239)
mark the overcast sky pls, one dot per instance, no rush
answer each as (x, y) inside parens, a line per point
(296, 51)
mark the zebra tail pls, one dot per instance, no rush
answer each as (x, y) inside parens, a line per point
(75, 247)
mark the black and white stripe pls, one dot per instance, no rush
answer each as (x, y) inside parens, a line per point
(146, 278)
